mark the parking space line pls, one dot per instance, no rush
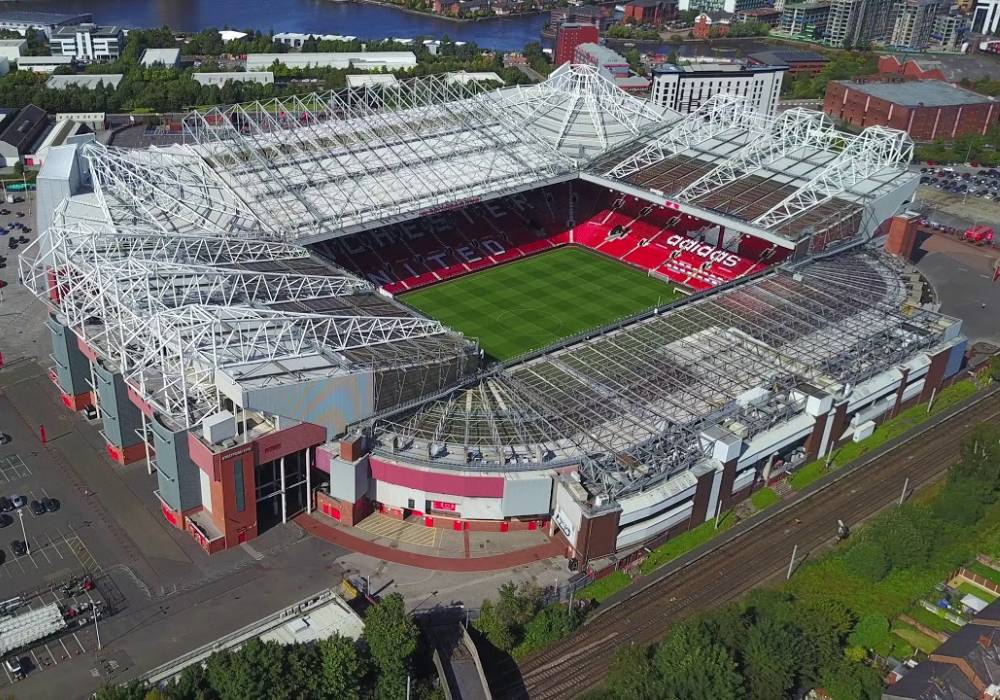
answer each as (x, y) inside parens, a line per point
(54, 547)
(51, 655)
(65, 648)
(9, 679)
(38, 664)
(79, 644)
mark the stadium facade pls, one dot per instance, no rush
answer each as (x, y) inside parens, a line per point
(258, 380)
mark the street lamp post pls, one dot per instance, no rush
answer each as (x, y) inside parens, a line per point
(27, 547)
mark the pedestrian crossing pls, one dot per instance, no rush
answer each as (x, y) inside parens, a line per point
(399, 531)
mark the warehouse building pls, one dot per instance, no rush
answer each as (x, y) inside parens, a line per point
(361, 60)
(20, 133)
(798, 62)
(169, 58)
(925, 109)
(86, 81)
(220, 79)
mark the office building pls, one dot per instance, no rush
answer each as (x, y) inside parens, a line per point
(571, 35)
(685, 88)
(986, 17)
(913, 23)
(730, 6)
(360, 60)
(88, 42)
(950, 31)
(805, 19)
(652, 12)
(858, 23)
(600, 16)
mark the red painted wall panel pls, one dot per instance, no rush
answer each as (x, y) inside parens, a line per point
(436, 482)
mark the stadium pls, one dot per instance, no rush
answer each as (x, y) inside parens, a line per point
(549, 306)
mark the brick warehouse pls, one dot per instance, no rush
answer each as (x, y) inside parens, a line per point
(925, 109)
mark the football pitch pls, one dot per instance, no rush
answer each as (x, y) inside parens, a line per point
(531, 303)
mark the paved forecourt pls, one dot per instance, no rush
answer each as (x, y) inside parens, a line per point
(531, 303)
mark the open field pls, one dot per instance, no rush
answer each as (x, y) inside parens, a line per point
(531, 303)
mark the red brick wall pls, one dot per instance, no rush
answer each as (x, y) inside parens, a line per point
(922, 123)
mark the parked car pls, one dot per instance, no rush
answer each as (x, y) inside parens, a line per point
(37, 508)
(19, 548)
(50, 504)
(19, 501)
(14, 666)
(5, 520)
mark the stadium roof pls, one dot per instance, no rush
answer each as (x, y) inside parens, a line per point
(307, 169)
(780, 178)
(176, 313)
(629, 405)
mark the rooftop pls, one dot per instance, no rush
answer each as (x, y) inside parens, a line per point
(917, 93)
(167, 57)
(44, 60)
(601, 53)
(92, 29)
(89, 81)
(779, 57)
(42, 18)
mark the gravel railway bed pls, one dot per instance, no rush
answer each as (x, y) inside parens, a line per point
(747, 560)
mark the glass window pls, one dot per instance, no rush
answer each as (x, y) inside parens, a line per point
(238, 478)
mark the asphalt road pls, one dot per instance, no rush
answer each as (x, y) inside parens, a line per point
(743, 561)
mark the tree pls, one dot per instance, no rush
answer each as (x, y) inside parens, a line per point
(870, 632)
(852, 681)
(551, 623)
(867, 559)
(392, 639)
(256, 670)
(342, 668)
(632, 675)
(692, 665)
(962, 501)
(503, 622)
(768, 659)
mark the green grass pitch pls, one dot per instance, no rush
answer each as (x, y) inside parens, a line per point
(531, 303)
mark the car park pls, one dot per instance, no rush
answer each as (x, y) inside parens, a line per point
(5, 520)
(6, 505)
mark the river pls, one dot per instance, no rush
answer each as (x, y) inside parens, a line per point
(347, 18)
(318, 16)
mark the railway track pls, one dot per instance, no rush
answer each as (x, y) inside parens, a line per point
(760, 554)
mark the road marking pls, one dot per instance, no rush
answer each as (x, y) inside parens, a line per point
(38, 664)
(79, 643)
(52, 657)
(64, 648)
(251, 551)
